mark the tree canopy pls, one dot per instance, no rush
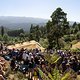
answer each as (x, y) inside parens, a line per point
(57, 27)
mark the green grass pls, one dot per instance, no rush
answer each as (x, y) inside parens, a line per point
(66, 76)
(53, 58)
(43, 75)
(50, 76)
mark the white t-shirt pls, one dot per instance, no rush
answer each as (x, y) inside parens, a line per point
(24, 56)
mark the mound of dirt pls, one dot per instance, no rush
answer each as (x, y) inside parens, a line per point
(75, 46)
(29, 45)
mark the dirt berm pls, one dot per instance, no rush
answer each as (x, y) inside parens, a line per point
(75, 46)
(29, 45)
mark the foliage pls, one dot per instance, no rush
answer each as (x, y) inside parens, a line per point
(69, 75)
(44, 42)
(62, 43)
(15, 33)
(66, 76)
(1, 38)
(43, 75)
(55, 57)
(75, 50)
(78, 35)
(56, 74)
(69, 38)
(50, 76)
(5, 38)
(52, 58)
(74, 42)
(34, 33)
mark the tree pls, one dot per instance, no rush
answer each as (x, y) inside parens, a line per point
(1, 38)
(78, 35)
(57, 27)
(49, 33)
(5, 38)
(76, 29)
(79, 26)
(43, 32)
(21, 36)
(74, 24)
(35, 33)
(31, 32)
(2, 31)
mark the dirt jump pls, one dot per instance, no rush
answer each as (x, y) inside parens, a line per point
(27, 45)
(76, 46)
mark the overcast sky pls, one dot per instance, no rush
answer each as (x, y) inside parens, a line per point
(40, 8)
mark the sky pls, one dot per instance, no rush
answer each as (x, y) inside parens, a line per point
(40, 8)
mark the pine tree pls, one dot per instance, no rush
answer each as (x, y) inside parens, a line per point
(2, 31)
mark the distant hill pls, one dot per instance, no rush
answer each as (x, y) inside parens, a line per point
(11, 22)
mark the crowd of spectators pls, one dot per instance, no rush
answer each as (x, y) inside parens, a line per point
(26, 61)
(70, 60)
